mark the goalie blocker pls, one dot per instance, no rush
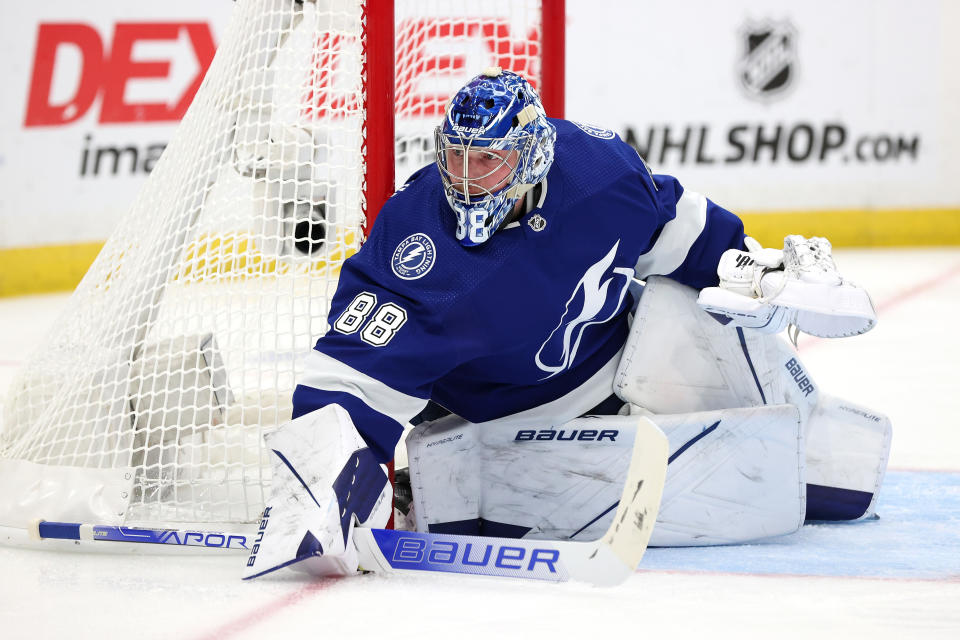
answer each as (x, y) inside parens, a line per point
(325, 481)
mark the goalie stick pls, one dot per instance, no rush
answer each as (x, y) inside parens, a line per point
(606, 561)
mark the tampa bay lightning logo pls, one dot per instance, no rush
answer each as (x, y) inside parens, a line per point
(596, 132)
(413, 257)
(594, 300)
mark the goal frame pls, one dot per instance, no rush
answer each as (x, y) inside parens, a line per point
(379, 69)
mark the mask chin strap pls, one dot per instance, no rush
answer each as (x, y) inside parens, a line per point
(519, 190)
(535, 196)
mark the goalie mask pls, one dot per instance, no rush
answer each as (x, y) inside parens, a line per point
(494, 145)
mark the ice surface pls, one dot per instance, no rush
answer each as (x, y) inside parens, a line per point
(913, 506)
(896, 577)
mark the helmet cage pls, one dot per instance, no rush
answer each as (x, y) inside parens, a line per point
(473, 188)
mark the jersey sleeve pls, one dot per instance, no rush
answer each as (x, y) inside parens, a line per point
(692, 234)
(378, 360)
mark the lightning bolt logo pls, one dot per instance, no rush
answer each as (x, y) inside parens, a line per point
(414, 257)
(416, 252)
(594, 300)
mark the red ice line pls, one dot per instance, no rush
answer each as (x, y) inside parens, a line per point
(255, 617)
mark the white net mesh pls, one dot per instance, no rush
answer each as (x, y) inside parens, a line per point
(181, 346)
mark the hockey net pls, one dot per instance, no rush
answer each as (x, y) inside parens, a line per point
(148, 402)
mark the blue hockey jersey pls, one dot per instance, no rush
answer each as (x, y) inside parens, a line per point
(524, 319)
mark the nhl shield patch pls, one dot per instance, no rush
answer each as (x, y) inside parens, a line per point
(414, 257)
(768, 63)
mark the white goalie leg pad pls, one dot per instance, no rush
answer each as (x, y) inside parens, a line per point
(680, 359)
(511, 479)
(848, 447)
(324, 481)
(563, 482)
(733, 476)
(444, 472)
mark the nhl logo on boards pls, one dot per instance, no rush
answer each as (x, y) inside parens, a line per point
(768, 62)
(537, 222)
(413, 257)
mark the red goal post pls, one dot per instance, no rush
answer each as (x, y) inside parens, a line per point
(547, 74)
(147, 403)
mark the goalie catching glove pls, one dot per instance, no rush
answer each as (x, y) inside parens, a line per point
(769, 289)
(324, 482)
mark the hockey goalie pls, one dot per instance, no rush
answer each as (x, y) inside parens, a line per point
(523, 301)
